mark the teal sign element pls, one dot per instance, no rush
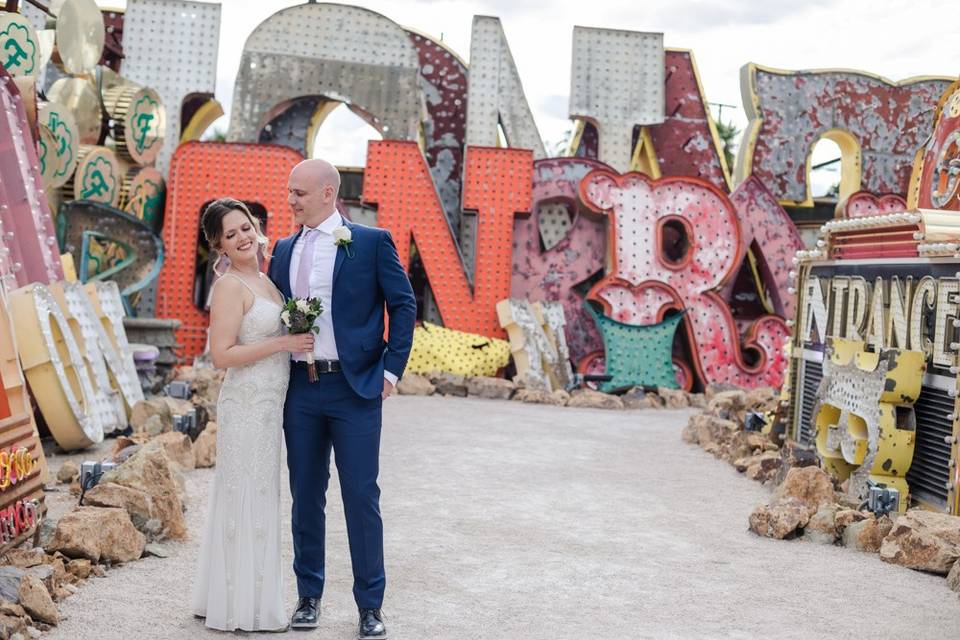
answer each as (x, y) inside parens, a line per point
(637, 355)
(147, 201)
(43, 156)
(64, 136)
(99, 183)
(144, 122)
(18, 49)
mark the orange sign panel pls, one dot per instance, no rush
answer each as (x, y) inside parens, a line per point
(201, 172)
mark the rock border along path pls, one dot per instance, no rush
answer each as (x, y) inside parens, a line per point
(506, 520)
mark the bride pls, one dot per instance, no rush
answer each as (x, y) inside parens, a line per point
(239, 581)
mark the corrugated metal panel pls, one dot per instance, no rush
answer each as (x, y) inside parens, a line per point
(811, 373)
(930, 471)
(788, 413)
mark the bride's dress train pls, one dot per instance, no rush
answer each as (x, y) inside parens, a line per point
(239, 581)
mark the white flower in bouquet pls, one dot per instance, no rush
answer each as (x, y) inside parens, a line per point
(300, 316)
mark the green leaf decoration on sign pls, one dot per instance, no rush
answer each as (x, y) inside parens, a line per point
(64, 136)
(99, 183)
(637, 355)
(18, 51)
(148, 199)
(145, 123)
(42, 146)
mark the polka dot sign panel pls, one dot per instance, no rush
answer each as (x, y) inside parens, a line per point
(201, 172)
(773, 240)
(542, 274)
(436, 348)
(596, 363)
(497, 185)
(935, 179)
(863, 204)
(638, 355)
(647, 280)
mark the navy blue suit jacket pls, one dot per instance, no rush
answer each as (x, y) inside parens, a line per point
(362, 285)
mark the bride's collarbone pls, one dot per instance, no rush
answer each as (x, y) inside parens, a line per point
(259, 288)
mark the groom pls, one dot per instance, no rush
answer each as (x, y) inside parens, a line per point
(355, 270)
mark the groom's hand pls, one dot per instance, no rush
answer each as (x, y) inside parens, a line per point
(387, 389)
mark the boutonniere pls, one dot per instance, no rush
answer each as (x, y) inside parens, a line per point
(342, 237)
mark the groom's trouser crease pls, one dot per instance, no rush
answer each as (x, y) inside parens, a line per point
(317, 417)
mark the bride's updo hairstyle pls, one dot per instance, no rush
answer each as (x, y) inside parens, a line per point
(212, 223)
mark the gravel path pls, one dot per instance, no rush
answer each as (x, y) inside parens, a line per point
(506, 521)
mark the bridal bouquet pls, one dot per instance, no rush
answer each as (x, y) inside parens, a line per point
(298, 316)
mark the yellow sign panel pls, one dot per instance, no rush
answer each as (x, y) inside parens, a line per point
(437, 348)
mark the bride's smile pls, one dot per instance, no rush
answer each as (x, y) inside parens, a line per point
(240, 240)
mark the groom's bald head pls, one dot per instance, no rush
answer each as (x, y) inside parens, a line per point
(312, 191)
(319, 172)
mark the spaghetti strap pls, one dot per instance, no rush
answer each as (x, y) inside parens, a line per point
(249, 288)
(256, 296)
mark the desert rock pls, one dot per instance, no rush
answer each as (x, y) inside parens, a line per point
(491, 388)
(779, 520)
(590, 399)
(412, 384)
(98, 533)
(923, 540)
(149, 470)
(36, 601)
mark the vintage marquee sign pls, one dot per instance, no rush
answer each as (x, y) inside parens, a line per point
(23, 467)
(901, 305)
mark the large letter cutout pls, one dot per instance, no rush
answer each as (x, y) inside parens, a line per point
(686, 143)
(201, 172)
(937, 174)
(176, 67)
(496, 185)
(551, 275)
(773, 240)
(645, 281)
(354, 55)
(790, 110)
(616, 82)
(495, 92)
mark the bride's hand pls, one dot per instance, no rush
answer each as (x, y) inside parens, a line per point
(297, 342)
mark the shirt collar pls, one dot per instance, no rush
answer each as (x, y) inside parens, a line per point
(328, 225)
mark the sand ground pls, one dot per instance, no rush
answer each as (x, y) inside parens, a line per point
(505, 520)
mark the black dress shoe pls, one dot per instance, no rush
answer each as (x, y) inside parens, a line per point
(306, 614)
(371, 625)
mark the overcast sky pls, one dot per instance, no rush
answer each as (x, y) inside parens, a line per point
(893, 38)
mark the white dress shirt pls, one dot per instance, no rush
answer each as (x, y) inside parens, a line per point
(321, 286)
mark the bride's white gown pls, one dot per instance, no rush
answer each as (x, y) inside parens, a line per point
(239, 581)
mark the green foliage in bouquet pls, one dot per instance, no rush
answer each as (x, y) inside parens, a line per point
(299, 314)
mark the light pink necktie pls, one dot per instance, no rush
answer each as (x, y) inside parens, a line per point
(301, 288)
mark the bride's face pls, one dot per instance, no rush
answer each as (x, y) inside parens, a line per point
(239, 238)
